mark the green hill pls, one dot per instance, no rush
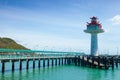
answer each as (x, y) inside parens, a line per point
(10, 44)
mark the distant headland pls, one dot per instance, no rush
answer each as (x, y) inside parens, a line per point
(9, 43)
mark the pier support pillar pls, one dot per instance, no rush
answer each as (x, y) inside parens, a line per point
(20, 65)
(82, 61)
(75, 61)
(52, 62)
(116, 63)
(27, 64)
(3, 67)
(68, 61)
(39, 64)
(78, 60)
(33, 64)
(56, 61)
(112, 62)
(62, 61)
(13, 66)
(48, 63)
(65, 61)
(59, 61)
(93, 61)
(87, 60)
(99, 62)
(43, 62)
(105, 61)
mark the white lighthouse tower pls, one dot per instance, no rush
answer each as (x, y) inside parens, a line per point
(94, 27)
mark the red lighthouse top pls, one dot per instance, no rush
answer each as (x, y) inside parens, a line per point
(94, 22)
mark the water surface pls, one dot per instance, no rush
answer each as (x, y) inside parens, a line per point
(65, 72)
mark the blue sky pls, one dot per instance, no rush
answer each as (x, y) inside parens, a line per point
(59, 24)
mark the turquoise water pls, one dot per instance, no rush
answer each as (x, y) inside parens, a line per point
(65, 72)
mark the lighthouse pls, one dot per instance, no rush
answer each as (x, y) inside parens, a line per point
(93, 28)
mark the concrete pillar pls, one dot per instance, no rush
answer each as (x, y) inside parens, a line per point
(112, 62)
(93, 59)
(48, 63)
(99, 62)
(52, 62)
(56, 61)
(68, 61)
(82, 61)
(59, 61)
(33, 64)
(27, 64)
(65, 61)
(3, 67)
(116, 63)
(43, 62)
(39, 64)
(13, 66)
(20, 65)
(78, 60)
(87, 60)
(75, 61)
(62, 61)
(94, 44)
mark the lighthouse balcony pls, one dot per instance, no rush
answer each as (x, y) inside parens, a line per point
(94, 30)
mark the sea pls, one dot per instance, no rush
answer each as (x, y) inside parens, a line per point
(59, 72)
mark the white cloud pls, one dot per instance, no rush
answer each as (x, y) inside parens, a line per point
(115, 20)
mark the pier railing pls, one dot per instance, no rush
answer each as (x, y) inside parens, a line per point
(13, 53)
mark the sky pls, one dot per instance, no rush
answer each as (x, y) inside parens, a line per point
(59, 25)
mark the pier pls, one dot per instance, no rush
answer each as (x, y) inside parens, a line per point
(59, 60)
(53, 58)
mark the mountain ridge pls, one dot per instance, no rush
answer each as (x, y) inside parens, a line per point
(9, 43)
